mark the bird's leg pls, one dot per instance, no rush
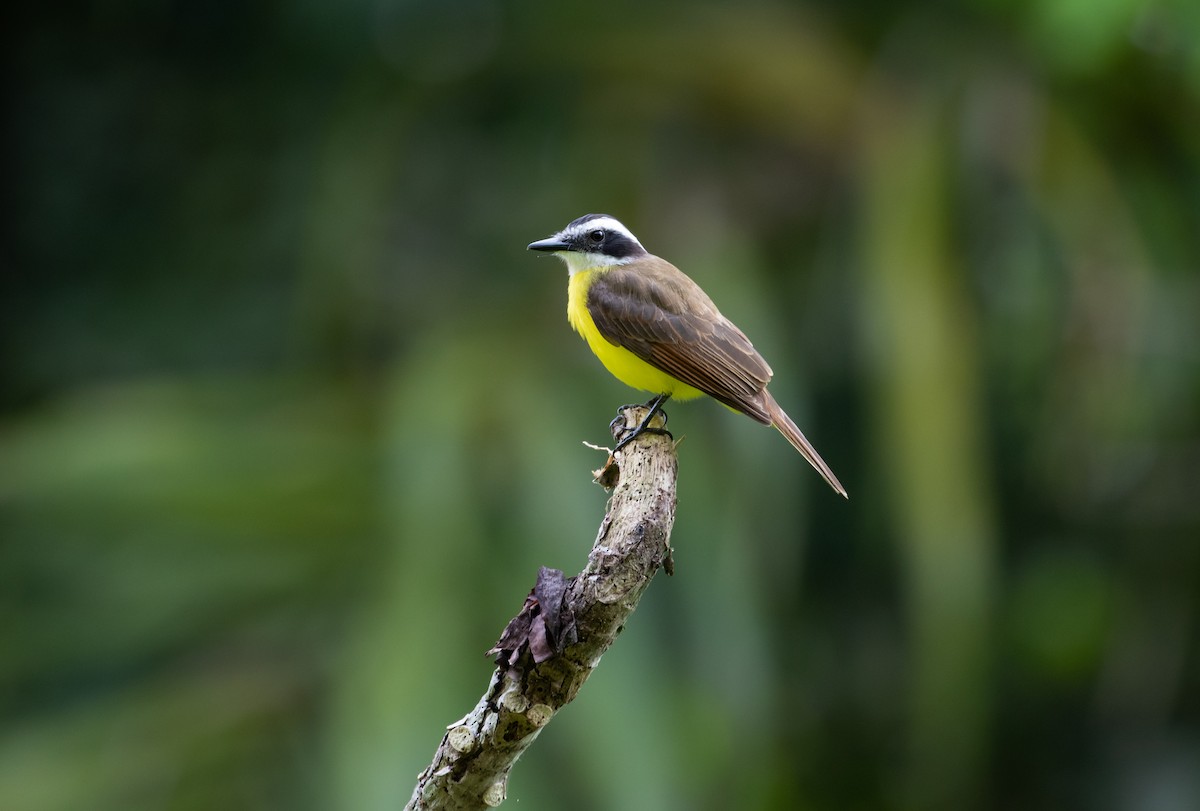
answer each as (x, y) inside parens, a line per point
(653, 403)
(655, 407)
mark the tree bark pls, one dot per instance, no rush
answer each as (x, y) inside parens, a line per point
(551, 647)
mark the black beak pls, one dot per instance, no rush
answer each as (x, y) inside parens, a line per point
(549, 244)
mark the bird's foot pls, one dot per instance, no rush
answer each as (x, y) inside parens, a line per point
(654, 408)
(654, 404)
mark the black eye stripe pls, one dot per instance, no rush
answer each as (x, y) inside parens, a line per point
(589, 236)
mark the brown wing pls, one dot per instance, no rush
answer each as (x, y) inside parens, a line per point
(656, 312)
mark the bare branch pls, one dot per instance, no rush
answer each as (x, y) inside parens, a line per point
(551, 647)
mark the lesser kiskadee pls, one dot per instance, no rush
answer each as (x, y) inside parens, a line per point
(654, 329)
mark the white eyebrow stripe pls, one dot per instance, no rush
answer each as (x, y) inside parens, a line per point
(604, 222)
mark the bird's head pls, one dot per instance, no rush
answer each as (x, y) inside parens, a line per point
(594, 240)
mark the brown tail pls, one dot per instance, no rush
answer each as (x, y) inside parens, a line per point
(790, 432)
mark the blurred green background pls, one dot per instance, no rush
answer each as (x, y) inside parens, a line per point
(290, 418)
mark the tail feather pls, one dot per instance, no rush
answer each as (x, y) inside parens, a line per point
(785, 426)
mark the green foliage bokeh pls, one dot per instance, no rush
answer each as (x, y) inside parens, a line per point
(290, 419)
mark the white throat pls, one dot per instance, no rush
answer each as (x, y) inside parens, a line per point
(577, 261)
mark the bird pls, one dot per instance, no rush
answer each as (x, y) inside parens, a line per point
(656, 330)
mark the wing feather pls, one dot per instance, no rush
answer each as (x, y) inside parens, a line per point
(660, 315)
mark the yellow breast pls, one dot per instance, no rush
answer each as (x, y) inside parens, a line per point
(620, 362)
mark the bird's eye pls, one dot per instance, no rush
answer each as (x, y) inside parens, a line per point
(596, 236)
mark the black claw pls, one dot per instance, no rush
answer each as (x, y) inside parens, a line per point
(657, 432)
(655, 407)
